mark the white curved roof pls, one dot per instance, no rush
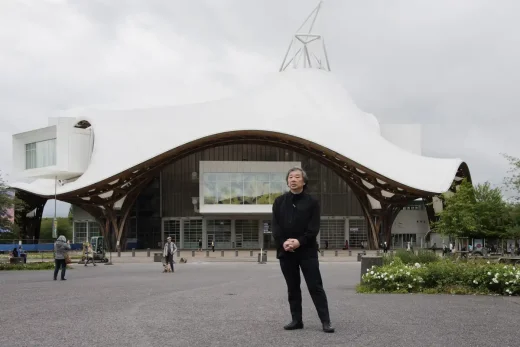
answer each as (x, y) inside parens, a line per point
(306, 103)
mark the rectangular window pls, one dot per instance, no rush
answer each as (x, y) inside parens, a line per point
(93, 230)
(172, 228)
(243, 188)
(246, 233)
(358, 235)
(332, 231)
(80, 232)
(219, 231)
(40, 154)
(192, 230)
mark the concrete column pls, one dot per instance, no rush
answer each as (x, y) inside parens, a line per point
(180, 241)
(204, 234)
(260, 234)
(347, 228)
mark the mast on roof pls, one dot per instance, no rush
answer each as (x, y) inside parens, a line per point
(307, 49)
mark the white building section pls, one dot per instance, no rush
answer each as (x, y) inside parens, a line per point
(332, 120)
(59, 149)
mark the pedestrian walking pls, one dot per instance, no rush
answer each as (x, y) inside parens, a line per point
(169, 251)
(296, 223)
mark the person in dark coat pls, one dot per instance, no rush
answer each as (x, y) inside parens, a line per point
(296, 223)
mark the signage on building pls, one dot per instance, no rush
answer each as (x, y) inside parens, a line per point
(354, 229)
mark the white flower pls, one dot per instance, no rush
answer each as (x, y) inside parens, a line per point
(475, 281)
(409, 286)
(391, 277)
(408, 274)
(495, 280)
(489, 273)
(417, 265)
(489, 262)
(371, 272)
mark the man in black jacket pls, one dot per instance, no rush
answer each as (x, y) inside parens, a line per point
(296, 223)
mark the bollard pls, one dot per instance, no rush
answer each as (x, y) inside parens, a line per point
(359, 256)
(262, 258)
(322, 253)
(335, 253)
(207, 253)
(367, 262)
(192, 253)
(221, 253)
(250, 253)
(236, 253)
(349, 253)
(119, 252)
(148, 252)
(133, 252)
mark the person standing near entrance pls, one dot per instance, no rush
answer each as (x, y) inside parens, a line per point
(169, 250)
(296, 223)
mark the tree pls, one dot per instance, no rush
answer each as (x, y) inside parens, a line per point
(457, 219)
(6, 204)
(513, 182)
(491, 212)
(474, 212)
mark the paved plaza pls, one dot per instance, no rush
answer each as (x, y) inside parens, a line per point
(235, 304)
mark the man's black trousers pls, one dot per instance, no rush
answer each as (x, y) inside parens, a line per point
(290, 265)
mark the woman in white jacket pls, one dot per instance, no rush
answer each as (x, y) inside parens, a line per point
(169, 251)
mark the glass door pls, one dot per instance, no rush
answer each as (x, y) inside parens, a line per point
(239, 241)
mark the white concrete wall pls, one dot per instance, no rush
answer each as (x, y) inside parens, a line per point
(73, 149)
(411, 222)
(79, 214)
(406, 136)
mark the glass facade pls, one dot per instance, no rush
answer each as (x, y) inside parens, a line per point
(84, 230)
(332, 233)
(358, 235)
(192, 233)
(246, 233)
(165, 207)
(243, 188)
(219, 231)
(40, 154)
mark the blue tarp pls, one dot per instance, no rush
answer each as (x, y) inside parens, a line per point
(42, 247)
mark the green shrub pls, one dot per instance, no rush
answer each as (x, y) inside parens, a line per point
(443, 276)
(423, 256)
(28, 266)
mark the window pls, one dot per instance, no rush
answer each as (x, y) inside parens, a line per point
(93, 229)
(80, 232)
(40, 154)
(358, 233)
(220, 232)
(246, 233)
(333, 231)
(172, 228)
(192, 233)
(243, 188)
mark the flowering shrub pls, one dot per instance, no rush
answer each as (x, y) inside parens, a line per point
(443, 276)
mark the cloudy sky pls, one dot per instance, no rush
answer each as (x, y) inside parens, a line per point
(452, 66)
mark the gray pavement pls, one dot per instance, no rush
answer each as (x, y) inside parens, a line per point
(234, 304)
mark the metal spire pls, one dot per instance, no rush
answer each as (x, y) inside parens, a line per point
(310, 47)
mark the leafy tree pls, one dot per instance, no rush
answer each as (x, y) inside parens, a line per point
(457, 219)
(513, 182)
(474, 212)
(7, 202)
(491, 212)
(64, 228)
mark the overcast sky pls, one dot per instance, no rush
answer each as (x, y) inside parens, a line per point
(452, 66)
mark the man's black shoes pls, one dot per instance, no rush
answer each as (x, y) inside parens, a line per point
(327, 327)
(294, 325)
